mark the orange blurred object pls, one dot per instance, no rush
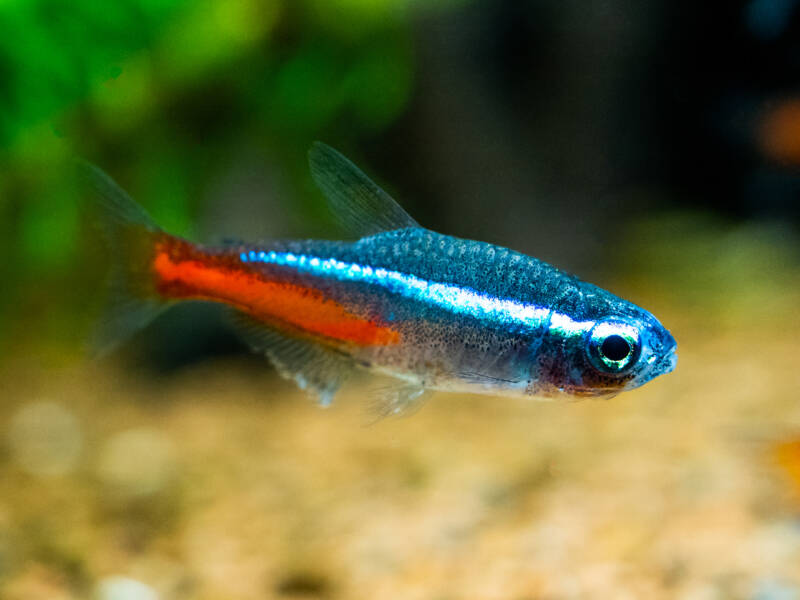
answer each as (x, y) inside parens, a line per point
(779, 131)
(787, 455)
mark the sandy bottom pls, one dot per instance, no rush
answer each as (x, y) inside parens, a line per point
(225, 482)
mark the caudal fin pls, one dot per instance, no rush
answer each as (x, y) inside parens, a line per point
(133, 300)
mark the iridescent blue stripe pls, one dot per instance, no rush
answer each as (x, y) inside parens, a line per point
(448, 296)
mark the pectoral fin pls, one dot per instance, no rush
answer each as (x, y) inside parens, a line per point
(401, 399)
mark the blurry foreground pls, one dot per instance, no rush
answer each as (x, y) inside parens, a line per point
(222, 481)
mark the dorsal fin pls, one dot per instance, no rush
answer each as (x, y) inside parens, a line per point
(355, 200)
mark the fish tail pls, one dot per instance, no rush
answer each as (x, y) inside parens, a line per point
(131, 236)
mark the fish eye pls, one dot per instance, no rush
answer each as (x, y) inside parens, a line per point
(614, 346)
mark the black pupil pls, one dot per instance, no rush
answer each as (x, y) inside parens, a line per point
(615, 347)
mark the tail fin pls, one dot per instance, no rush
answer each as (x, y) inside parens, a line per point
(131, 233)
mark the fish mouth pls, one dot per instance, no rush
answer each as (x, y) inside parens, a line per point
(670, 360)
(665, 362)
(662, 366)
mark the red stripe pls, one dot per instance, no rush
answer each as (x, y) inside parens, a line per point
(184, 271)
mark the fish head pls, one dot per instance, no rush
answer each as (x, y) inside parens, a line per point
(602, 348)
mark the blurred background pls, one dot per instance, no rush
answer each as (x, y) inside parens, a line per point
(651, 147)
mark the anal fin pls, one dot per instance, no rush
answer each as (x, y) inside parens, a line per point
(315, 368)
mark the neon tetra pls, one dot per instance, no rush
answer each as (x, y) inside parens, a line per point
(433, 311)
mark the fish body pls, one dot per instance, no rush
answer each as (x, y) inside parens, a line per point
(433, 311)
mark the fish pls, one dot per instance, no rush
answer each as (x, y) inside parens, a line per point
(430, 311)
